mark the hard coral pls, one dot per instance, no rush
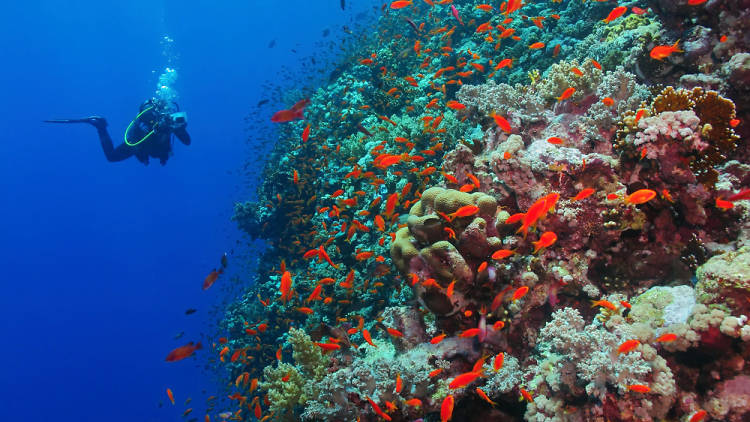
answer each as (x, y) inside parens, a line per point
(433, 247)
(725, 279)
(715, 112)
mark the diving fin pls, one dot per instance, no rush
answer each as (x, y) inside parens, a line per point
(96, 121)
(66, 121)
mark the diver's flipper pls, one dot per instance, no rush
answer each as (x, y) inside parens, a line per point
(96, 121)
(67, 121)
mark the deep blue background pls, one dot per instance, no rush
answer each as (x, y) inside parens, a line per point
(100, 260)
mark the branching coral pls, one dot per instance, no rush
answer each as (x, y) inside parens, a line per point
(575, 359)
(293, 385)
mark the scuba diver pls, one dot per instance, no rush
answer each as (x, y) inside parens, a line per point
(148, 135)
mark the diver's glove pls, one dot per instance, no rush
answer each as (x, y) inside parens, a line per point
(97, 121)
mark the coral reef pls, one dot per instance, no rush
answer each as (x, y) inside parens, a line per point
(490, 204)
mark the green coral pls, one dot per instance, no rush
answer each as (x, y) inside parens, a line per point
(724, 279)
(560, 77)
(615, 30)
(307, 355)
(301, 385)
(648, 308)
(283, 395)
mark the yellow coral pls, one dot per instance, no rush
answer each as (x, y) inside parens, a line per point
(629, 23)
(715, 112)
(672, 100)
(534, 76)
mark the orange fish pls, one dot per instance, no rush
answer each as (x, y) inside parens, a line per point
(545, 240)
(526, 396)
(536, 45)
(482, 267)
(536, 211)
(413, 402)
(379, 223)
(604, 304)
(315, 295)
(446, 408)
(470, 332)
(723, 204)
(306, 133)
(576, 71)
(640, 196)
(628, 346)
(285, 286)
(364, 255)
(501, 122)
(465, 211)
(374, 405)
(583, 194)
(390, 204)
(464, 379)
(554, 140)
(211, 278)
(502, 254)
(504, 63)
(663, 51)
(473, 178)
(696, 2)
(515, 218)
(399, 384)
(183, 352)
(566, 94)
(437, 339)
(698, 416)
(519, 293)
(512, 6)
(170, 395)
(639, 388)
(615, 13)
(328, 346)
(296, 112)
(400, 4)
(455, 105)
(305, 310)
(367, 337)
(394, 332)
(666, 338)
(449, 290)
(497, 363)
(484, 396)
(607, 101)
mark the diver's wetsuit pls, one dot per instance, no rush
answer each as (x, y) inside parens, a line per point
(158, 145)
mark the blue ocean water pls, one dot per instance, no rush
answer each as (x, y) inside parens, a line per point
(100, 260)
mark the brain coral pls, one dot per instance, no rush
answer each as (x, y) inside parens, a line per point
(435, 245)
